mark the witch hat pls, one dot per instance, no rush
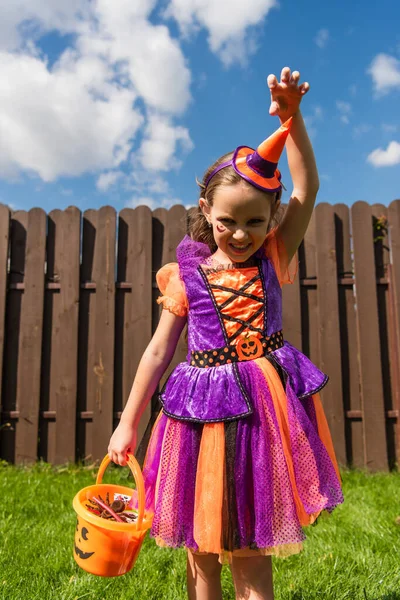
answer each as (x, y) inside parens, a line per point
(259, 167)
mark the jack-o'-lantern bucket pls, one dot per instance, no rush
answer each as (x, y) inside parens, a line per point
(104, 546)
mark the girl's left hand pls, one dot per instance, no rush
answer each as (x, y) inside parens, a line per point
(287, 94)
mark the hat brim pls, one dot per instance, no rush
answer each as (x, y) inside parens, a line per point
(239, 163)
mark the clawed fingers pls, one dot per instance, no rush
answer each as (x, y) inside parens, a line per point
(295, 77)
(288, 79)
(304, 87)
(286, 94)
(285, 75)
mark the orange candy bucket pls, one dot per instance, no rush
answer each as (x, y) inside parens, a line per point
(104, 547)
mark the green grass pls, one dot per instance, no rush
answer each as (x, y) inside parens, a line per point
(352, 554)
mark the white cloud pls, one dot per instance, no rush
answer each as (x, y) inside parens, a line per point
(27, 19)
(312, 120)
(344, 109)
(231, 26)
(53, 124)
(11, 205)
(359, 130)
(325, 177)
(141, 201)
(322, 37)
(385, 73)
(147, 54)
(389, 128)
(152, 202)
(151, 189)
(385, 158)
(107, 180)
(84, 112)
(161, 142)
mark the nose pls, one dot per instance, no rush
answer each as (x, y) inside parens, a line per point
(240, 234)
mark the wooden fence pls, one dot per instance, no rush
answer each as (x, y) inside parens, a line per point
(77, 309)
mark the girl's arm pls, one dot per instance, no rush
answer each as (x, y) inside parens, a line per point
(305, 186)
(152, 366)
(286, 97)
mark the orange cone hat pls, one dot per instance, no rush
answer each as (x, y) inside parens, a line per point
(259, 167)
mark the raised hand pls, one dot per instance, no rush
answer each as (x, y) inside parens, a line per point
(287, 94)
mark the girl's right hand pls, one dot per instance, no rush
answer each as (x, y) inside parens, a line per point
(122, 440)
(286, 94)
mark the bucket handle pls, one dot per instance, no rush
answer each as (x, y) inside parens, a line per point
(138, 477)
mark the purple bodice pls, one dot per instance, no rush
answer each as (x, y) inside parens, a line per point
(217, 393)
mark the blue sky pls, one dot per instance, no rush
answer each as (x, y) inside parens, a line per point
(125, 102)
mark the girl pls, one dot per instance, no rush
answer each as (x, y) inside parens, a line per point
(240, 457)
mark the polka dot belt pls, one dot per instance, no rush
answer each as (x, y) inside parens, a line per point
(248, 348)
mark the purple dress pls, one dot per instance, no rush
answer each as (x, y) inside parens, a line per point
(240, 457)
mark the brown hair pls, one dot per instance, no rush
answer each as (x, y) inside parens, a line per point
(199, 229)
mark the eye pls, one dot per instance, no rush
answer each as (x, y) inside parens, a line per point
(84, 533)
(256, 221)
(226, 221)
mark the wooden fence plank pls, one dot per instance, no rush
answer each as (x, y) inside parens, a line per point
(393, 213)
(348, 338)
(103, 366)
(47, 427)
(63, 270)
(18, 229)
(86, 337)
(66, 386)
(4, 241)
(368, 336)
(30, 343)
(329, 340)
(386, 330)
(134, 306)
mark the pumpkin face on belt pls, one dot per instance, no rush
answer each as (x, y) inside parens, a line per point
(81, 537)
(249, 348)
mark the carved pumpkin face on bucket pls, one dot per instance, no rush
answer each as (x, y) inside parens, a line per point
(82, 538)
(249, 348)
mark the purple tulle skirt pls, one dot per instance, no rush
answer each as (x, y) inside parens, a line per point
(247, 486)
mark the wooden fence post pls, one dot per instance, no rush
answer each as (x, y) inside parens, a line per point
(329, 325)
(368, 339)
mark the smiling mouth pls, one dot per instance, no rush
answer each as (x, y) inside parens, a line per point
(240, 248)
(81, 554)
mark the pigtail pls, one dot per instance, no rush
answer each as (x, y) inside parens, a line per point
(199, 229)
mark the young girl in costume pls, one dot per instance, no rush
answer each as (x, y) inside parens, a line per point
(240, 457)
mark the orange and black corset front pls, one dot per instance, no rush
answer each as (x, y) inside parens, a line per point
(238, 296)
